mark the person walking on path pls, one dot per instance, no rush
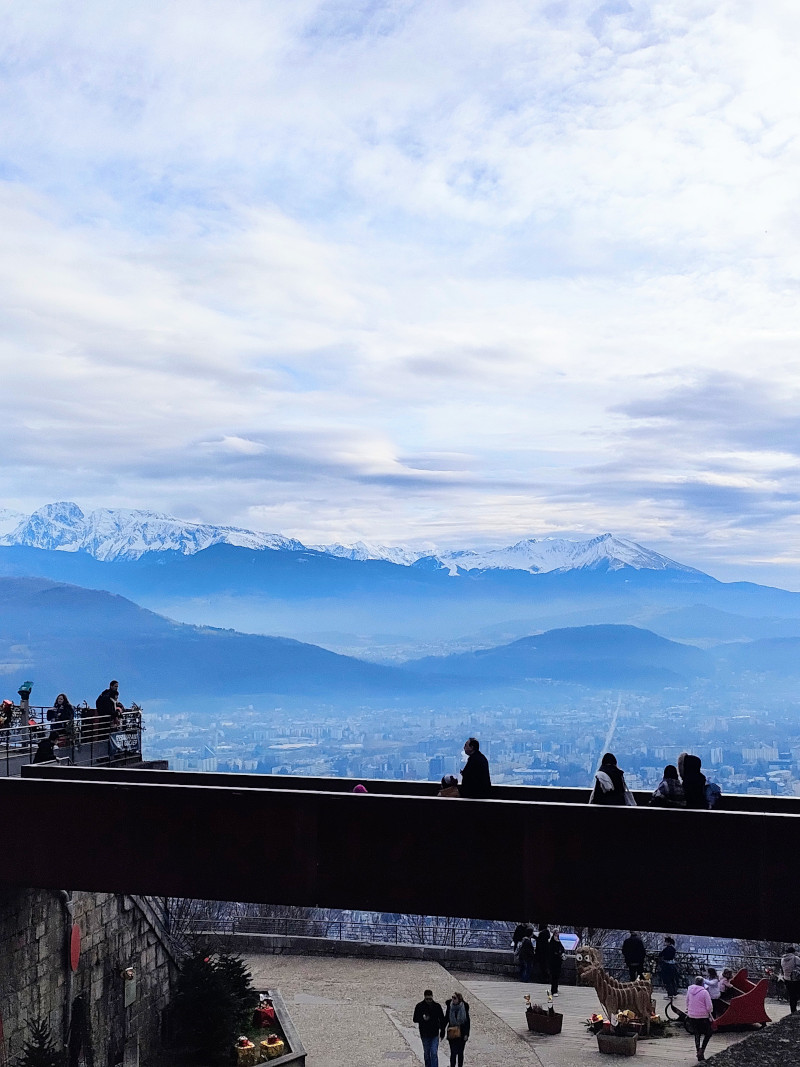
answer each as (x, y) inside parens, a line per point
(429, 1017)
(556, 957)
(526, 957)
(634, 954)
(543, 954)
(668, 967)
(700, 1010)
(476, 781)
(790, 968)
(456, 1017)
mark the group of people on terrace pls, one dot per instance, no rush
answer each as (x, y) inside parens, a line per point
(68, 723)
(682, 786)
(539, 954)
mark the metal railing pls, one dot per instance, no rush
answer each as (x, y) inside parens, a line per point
(413, 932)
(459, 934)
(88, 738)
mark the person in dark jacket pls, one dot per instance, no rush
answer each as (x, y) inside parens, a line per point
(476, 781)
(634, 953)
(609, 783)
(556, 958)
(694, 782)
(521, 930)
(669, 791)
(45, 750)
(456, 1014)
(429, 1017)
(526, 957)
(668, 967)
(105, 710)
(543, 953)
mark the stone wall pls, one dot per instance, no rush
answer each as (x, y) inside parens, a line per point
(36, 981)
(459, 958)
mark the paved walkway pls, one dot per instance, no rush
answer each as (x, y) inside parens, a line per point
(357, 1013)
(575, 1046)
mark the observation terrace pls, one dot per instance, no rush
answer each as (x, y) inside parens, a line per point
(88, 739)
(539, 851)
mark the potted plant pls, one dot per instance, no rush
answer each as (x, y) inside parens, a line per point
(542, 1020)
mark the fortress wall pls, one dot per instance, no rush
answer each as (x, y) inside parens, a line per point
(35, 970)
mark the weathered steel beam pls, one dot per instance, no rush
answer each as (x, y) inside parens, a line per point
(498, 859)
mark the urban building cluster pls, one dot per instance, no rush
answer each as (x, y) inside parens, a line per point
(555, 738)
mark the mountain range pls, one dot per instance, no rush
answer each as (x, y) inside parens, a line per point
(67, 638)
(385, 609)
(111, 534)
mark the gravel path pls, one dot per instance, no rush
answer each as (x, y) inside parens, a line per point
(777, 1045)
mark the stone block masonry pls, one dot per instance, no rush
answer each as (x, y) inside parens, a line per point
(36, 981)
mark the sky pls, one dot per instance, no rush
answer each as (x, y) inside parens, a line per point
(449, 272)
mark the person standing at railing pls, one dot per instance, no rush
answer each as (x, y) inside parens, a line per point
(61, 716)
(105, 710)
(634, 954)
(668, 967)
(790, 968)
(476, 782)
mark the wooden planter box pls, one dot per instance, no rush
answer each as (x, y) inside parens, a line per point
(544, 1024)
(612, 1045)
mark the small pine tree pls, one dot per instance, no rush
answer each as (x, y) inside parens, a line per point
(40, 1050)
(214, 997)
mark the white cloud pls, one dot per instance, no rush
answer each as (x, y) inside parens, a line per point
(400, 270)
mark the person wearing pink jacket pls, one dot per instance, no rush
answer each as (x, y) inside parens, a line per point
(700, 1009)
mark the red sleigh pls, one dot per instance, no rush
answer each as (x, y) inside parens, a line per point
(747, 1006)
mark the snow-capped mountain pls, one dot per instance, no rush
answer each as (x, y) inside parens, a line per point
(541, 555)
(119, 533)
(10, 520)
(111, 534)
(360, 550)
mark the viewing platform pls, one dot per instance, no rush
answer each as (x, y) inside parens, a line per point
(87, 740)
(399, 848)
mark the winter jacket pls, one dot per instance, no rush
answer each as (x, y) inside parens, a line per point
(633, 951)
(476, 781)
(457, 1015)
(694, 783)
(609, 786)
(526, 953)
(668, 794)
(790, 965)
(698, 1002)
(429, 1017)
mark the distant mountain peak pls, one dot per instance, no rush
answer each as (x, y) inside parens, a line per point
(125, 533)
(111, 534)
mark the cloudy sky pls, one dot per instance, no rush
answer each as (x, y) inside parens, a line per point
(447, 271)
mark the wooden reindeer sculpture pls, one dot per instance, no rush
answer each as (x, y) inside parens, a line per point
(614, 996)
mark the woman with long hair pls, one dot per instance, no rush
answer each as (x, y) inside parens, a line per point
(456, 1017)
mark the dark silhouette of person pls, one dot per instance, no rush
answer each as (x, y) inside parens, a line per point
(694, 781)
(45, 750)
(634, 954)
(543, 953)
(476, 781)
(429, 1017)
(105, 710)
(556, 958)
